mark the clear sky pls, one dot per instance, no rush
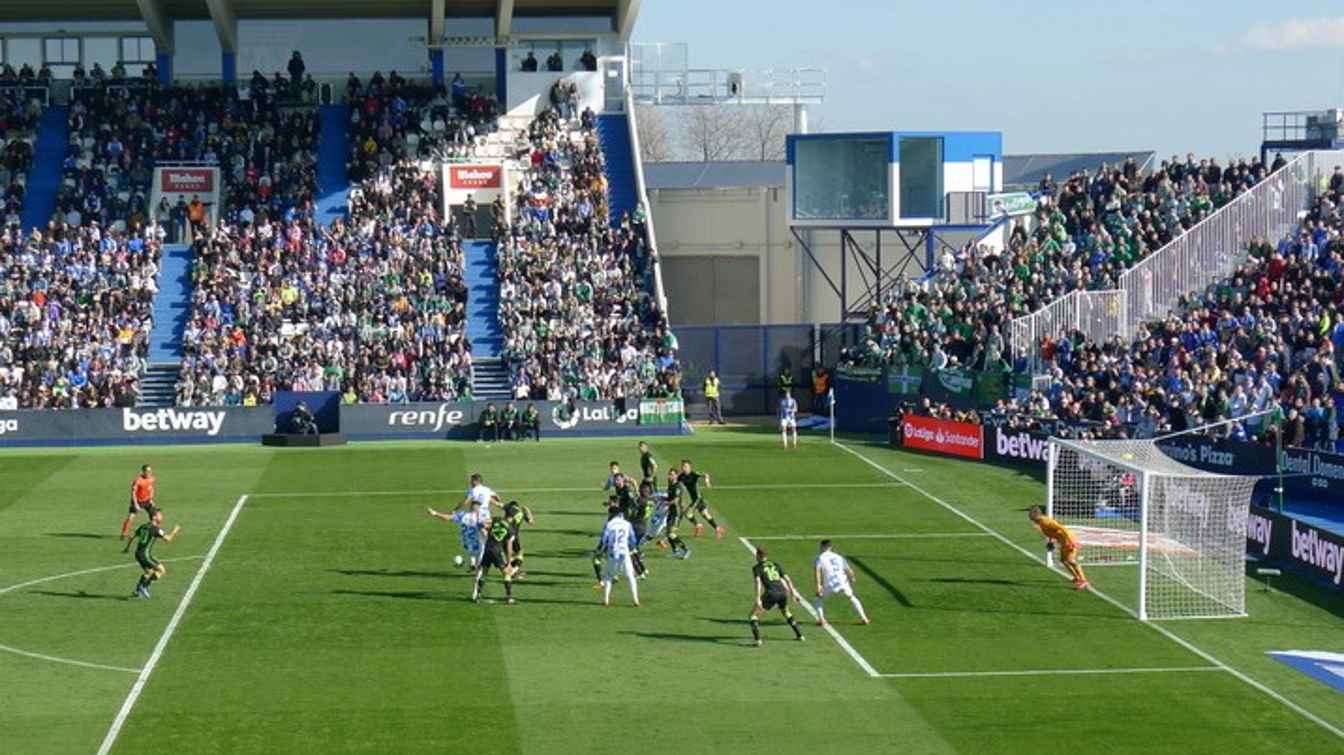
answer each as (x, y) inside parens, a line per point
(1054, 76)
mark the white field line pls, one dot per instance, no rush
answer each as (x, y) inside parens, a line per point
(870, 536)
(67, 661)
(182, 605)
(1052, 672)
(67, 575)
(594, 489)
(1332, 728)
(844, 644)
(82, 572)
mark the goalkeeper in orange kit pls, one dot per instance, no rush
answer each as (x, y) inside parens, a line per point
(1058, 535)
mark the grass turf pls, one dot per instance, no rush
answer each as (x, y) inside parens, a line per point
(334, 621)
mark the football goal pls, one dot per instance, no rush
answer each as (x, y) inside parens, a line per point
(1127, 503)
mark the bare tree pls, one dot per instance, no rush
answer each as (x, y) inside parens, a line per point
(655, 143)
(713, 132)
(764, 129)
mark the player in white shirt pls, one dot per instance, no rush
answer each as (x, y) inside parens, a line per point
(834, 576)
(469, 532)
(616, 539)
(478, 498)
(788, 418)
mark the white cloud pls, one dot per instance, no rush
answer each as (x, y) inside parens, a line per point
(1296, 34)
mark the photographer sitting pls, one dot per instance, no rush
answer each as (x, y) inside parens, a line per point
(301, 421)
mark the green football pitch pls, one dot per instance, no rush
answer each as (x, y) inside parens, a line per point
(310, 605)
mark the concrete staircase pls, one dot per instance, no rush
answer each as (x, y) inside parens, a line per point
(44, 181)
(482, 278)
(333, 148)
(172, 309)
(613, 135)
(158, 386)
(490, 380)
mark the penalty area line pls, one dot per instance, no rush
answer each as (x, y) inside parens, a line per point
(871, 536)
(167, 635)
(1287, 703)
(841, 641)
(1051, 672)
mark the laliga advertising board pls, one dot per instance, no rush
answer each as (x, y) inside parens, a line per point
(942, 436)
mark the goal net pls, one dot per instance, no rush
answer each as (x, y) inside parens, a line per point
(1127, 503)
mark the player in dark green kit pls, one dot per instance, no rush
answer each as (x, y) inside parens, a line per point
(690, 480)
(516, 515)
(648, 466)
(143, 539)
(773, 589)
(675, 507)
(498, 553)
(638, 511)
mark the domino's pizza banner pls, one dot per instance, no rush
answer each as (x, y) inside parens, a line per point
(1310, 551)
(461, 420)
(135, 426)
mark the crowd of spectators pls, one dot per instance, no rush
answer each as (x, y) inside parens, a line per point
(1084, 233)
(266, 152)
(372, 307)
(577, 308)
(75, 306)
(19, 115)
(1265, 341)
(393, 122)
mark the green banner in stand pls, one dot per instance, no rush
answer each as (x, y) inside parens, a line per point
(859, 374)
(989, 388)
(956, 382)
(661, 411)
(904, 380)
(1011, 204)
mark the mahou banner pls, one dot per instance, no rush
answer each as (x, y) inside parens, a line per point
(187, 180)
(475, 176)
(942, 436)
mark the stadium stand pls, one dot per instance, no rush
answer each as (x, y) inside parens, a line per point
(575, 281)
(1086, 232)
(19, 119)
(75, 307)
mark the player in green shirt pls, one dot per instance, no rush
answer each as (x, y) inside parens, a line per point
(773, 589)
(673, 518)
(144, 539)
(648, 465)
(498, 553)
(516, 515)
(690, 480)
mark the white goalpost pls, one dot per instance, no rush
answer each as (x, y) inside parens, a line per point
(1127, 503)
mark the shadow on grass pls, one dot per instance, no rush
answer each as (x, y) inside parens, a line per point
(975, 581)
(580, 533)
(77, 594)
(595, 512)
(564, 553)
(80, 535)
(1298, 587)
(879, 579)
(736, 640)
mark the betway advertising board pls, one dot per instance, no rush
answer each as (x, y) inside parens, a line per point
(131, 426)
(462, 420)
(1311, 551)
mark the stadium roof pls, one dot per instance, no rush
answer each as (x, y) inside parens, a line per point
(156, 12)
(1024, 170)
(714, 175)
(1018, 170)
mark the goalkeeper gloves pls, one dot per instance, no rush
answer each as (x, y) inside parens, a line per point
(1049, 546)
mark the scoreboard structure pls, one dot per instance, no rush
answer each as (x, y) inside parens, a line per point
(925, 190)
(890, 179)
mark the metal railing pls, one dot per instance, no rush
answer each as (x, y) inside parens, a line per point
(1209, 251)
(642, 196)
(708, 86)
(1098, 314)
